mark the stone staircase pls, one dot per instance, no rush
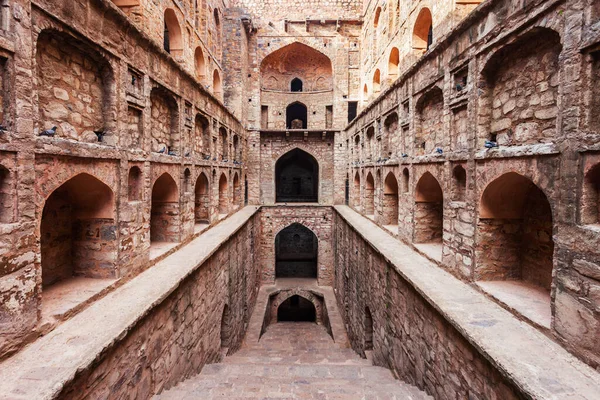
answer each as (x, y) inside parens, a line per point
(293, 360)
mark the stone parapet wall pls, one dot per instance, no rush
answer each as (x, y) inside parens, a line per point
(502, 77)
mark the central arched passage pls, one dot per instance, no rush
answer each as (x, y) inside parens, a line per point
(296, 116)
(297, 178)
(296, 308)
(296, 249)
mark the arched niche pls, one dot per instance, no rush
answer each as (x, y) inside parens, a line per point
(78, 234)
(369, 195)
(173, 37)
(296, 252)
(164, 217)
(202, 199)
(429, 210)
(296, 178)
(514, 233)
(223, 195)
(423, 31)
(390, 200)
(296, 115)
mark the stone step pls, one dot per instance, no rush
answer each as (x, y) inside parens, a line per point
(373, 385)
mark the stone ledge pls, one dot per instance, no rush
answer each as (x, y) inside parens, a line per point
(533, 363)
(42, 369)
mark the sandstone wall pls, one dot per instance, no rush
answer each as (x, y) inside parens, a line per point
(84, 67)
(318, 219)
(409, 336)
(184, 332)
(519, 89)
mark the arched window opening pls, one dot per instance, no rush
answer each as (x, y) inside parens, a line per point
(297, 178)
(164, 219)
(368, 329)
(246, 191)
(202, 200)
(429, 210)
(390, 200)
(356, 192)
(224, 144)
(199, 64)
(296, 309)
(225, 330)
(296, 85)
(78, 234)
(406, 180)
(377, 81)
(423, 31)
(134, 184)
(296, 252)
(236, 190)
(393, 63)
(365, 93)
(217, 87)
(223, 196)
(590, 210)
(515, 248)
(370, 196)
(296, 116)
(515, 232)
(459, 183)
(173, 38)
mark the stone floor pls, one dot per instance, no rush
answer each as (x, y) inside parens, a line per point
(293, 360)
(531, 301)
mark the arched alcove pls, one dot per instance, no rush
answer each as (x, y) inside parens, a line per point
(199, 64)
(370, 195)
(296, 309)
(216, 85)
(377, 81)
(78, 235)
(423, 31)
(356, 192)
(296, 115)
(429, 122)
(225, 330)
(173, 38)
(297, 178)
(429, 210)
(224, 143)
(390, 200)
(164, 218)
(223, 195)
(202, 200)
(134, 184)
(515, 233)
(296, 252)
(368, 330)
(405, 180)
(202, 139)
(459, 183)
(236, 190)
(393, 63)
(365, 93)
